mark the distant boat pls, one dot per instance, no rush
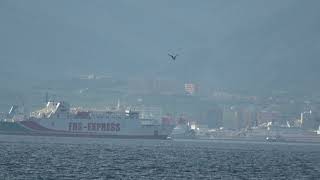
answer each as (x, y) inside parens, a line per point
(183, 131)
(275, 139)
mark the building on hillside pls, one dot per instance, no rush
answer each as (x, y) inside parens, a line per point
(229, 118)
(268, 116)
(190, 88)
(168, 120)
(239, 117)
(308, 120)
(213, 118)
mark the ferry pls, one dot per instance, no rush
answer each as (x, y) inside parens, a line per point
(59, 119)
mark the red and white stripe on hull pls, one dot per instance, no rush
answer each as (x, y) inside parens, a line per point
(38, 130)
(34, 126)
(86, 135)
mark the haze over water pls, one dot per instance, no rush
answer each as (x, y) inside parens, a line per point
(245, 49)
(76, 158)
(243, 45)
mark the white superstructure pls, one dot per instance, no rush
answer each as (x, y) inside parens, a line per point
(58, 117)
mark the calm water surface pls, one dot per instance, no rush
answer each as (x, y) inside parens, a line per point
(78, 158)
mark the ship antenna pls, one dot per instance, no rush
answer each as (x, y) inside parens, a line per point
(47, 97)
(118, 105)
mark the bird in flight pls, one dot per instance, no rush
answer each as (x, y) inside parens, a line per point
(173, 57)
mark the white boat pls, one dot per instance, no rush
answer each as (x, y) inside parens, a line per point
(182, 131)
(58, 119)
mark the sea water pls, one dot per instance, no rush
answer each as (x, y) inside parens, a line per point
(27, 157)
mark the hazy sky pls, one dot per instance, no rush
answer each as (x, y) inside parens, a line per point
(247, 43)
